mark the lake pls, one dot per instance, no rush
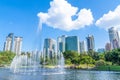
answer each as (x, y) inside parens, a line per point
(51, 74)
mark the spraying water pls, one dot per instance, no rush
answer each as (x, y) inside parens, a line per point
(23, 63)
(61, 63)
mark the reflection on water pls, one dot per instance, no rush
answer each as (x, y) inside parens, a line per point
(46, 74)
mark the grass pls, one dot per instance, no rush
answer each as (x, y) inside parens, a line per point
(71, 66)
(81, 66)
(108, 68)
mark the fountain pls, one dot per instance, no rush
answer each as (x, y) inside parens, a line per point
(24, 63)
(61, 63)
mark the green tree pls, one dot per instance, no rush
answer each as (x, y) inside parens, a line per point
(6, 57)
(93, 54)
(113, 56)
(85, 59)
(102, 56)
(71, 57)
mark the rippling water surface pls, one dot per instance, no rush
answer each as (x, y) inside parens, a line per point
(51, 74)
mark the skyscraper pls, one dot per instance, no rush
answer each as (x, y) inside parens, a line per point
(108, 47)
(90, 42)
(114, 37)
(72, 43)
(9, 42)
(82, 46)
(61, 44)
(49, 48)
(17, 45)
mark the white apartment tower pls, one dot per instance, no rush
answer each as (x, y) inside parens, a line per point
(82, 47)
(9, 42)
(17, 45)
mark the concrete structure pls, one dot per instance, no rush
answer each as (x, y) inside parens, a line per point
(17, 45)
(90, 42)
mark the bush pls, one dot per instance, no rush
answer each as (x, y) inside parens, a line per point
(68, 61)
(102, 63)
(6, 57)
(113, 56)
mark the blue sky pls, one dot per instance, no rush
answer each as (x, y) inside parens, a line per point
(21, 18)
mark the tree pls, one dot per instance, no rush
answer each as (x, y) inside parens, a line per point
(93, 54)
(85, 59)
(102, 56)
(6, 57)
(108, 56)
(71, 57)
(113, 56)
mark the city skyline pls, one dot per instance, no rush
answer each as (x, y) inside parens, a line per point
(24, 20)
(64, 43)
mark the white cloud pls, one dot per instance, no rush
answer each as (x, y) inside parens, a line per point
(111, 19)
(60, 16)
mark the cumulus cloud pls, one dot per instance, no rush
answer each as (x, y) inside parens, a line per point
(111, 19)
(62, 15)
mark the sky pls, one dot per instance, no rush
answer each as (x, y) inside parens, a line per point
(35, 20)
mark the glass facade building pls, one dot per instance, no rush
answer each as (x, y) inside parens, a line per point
(114, 37)
(61, 44)
(72, 44)
(49, 48)
(90, 42)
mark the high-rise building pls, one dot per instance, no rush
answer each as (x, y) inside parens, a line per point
(9, 42)
(101, 50)
(115, 44)
(90, 42)
(61, 44)
(17, 45)
(72, 44)
(4, 46)
(49, 48)
(108, 47)
(82, 47)
(114, 37)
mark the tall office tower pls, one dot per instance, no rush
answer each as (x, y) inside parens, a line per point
(108, 47)
(35, 55)
(61, 44)
(82, 47)
(72, 44)
(90, 42)
(49, 48)
(17, 45)
(4, 46)
(9, 42)
(114, 37)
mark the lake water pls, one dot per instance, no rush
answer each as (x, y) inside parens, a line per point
(49, 74)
